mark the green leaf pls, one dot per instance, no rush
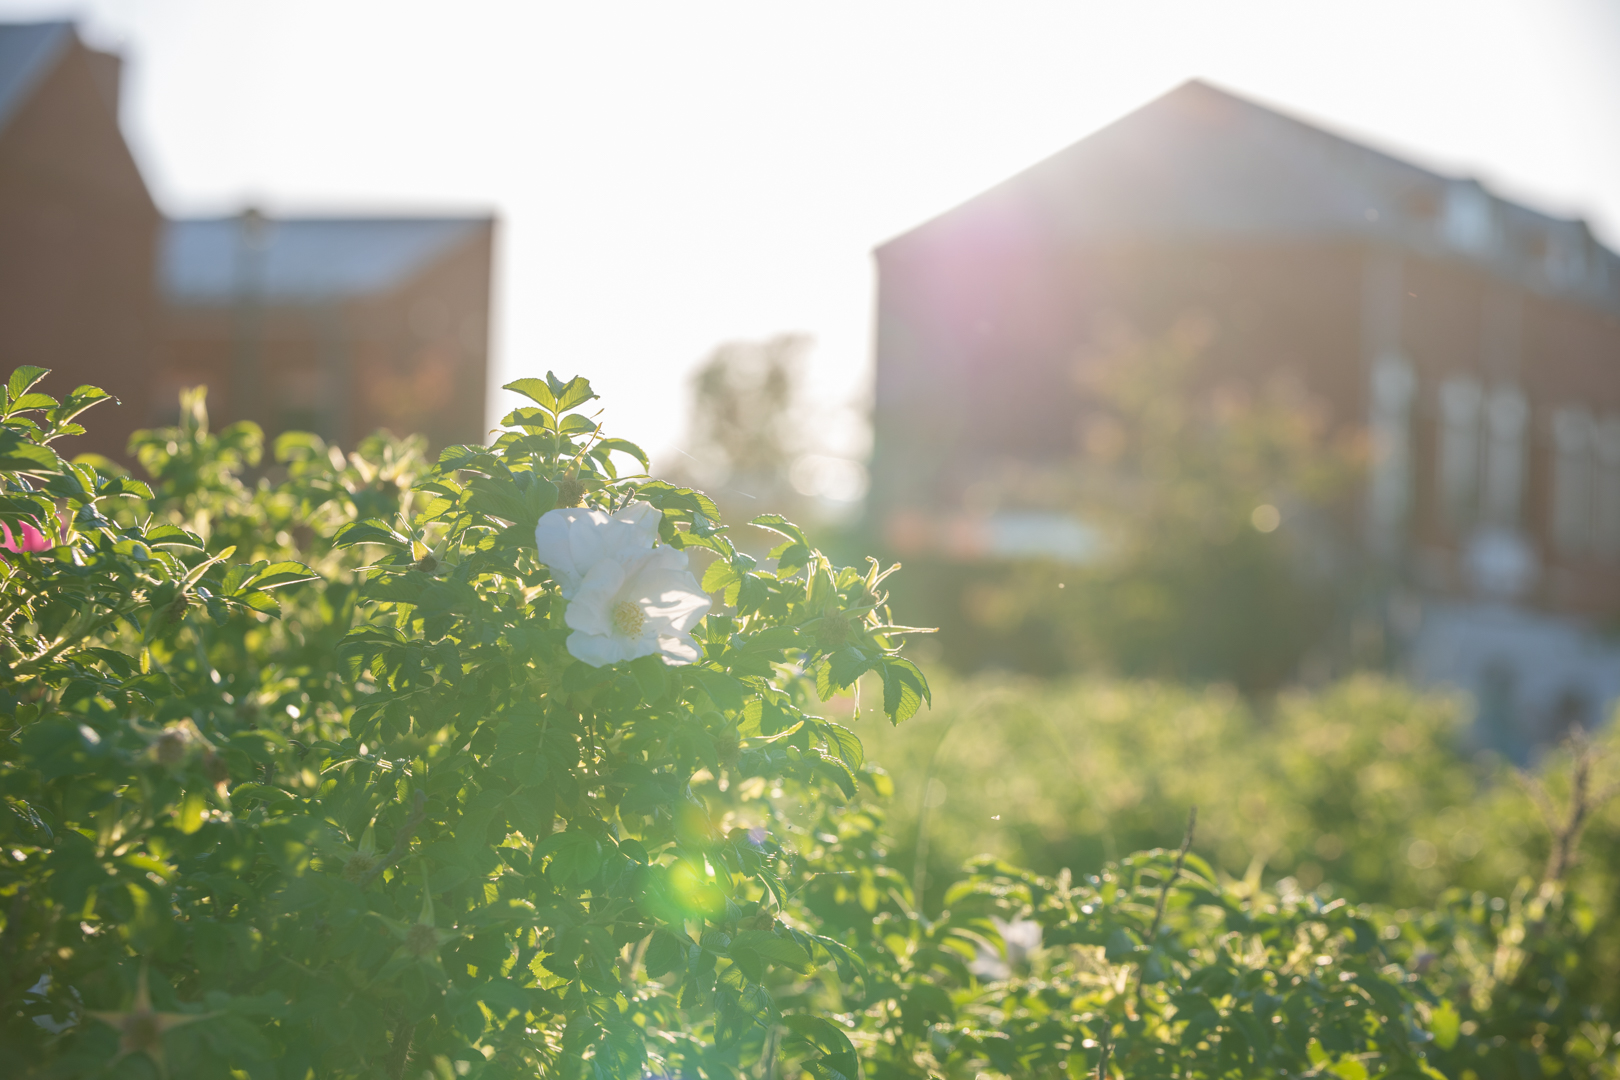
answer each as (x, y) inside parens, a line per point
(841, 775)
(529, 418)
(33, 401)
(173, 536)
(22, 379)
(905, 689)
(278, 574)
(20, 455)
(778, 950)
(780, 525)
(720, 574)
(261, 602)
(536, 391)
(368, 532)
(190, 817)
(576, 424)
(845, 743)
(838, 1060)
(1445, 1025)
(652, 675)
(624, 446)
(500, 497)
(572, 394)
(81, 399)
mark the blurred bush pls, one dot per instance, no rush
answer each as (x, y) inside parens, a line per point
(1367, 785)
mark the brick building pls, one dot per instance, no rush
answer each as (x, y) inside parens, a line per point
(334, 325)
(1476, 340)
(78, 231)
(340, 325)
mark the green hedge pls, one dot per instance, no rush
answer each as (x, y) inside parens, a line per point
(303, 777)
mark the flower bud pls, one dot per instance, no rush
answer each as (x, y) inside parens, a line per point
(214, 767)
(570, 492)
(170, 747)
(833, 633)
(358, 867)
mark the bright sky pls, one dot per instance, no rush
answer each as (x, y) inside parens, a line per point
(671, 175)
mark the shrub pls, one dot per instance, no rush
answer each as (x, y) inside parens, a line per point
(303, 778)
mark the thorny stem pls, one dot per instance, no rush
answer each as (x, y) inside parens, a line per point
(399, 1053)
(1181, 859)
(1164, 897)
(402, 841)
(1566, 835)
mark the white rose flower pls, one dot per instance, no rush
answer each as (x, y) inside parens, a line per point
(574, 540)
(637, 606)
(626, 598)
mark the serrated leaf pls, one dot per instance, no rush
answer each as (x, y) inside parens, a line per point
(576, 424)
(75, 403)
(905, 689)
(529, 418)
(841, 775)
(22, 378)
(536, 391)
(173, 536)
(278, 574)
(572, 394)
(20, 455)
(778, 950)
(780, 525)
(371, 531)
(845, 743)
(33, 401)
(260, 601)
(624, 446)
(720, 574)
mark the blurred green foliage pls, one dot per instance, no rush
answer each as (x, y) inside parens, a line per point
(1367, 790)
(1221, 508)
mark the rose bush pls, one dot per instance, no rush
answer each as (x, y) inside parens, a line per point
(390, 767)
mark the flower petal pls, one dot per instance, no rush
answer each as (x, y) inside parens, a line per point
(599, 650)
(640, 522)
(569, 543)
(679, 649)
(591, 609)
(671, 597)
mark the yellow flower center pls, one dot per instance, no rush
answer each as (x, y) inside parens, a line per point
(628, 619)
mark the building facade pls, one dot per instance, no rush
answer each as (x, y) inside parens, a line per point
(337, 325)
(1473, 341)
(78, 231)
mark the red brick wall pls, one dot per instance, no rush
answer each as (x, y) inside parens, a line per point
(78, 234)
(413, 360)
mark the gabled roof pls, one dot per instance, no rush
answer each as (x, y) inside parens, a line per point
(28, 52)
(300, 260)
(1201, 162)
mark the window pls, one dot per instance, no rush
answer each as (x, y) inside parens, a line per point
(1606, 488)
(1572, 482)
(1467, 221)
(1389, 488)
(1461, 399)
(1506, 414)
